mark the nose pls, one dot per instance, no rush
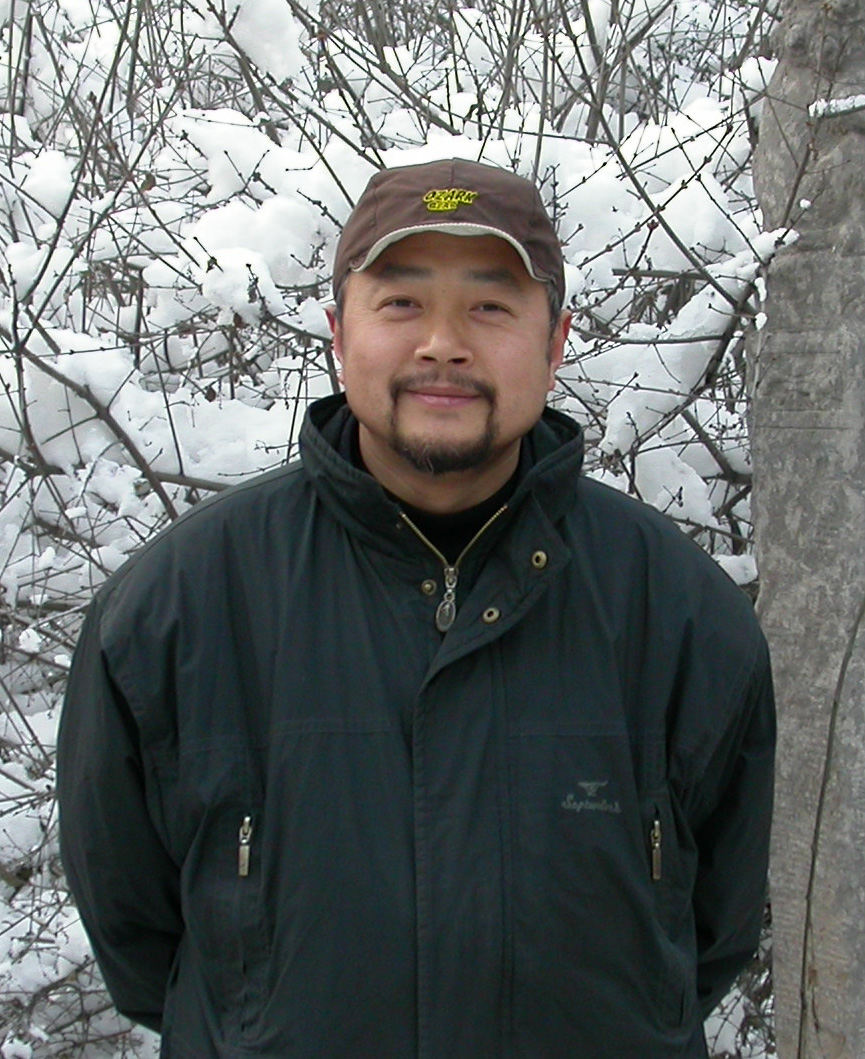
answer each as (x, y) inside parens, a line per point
(443, 342)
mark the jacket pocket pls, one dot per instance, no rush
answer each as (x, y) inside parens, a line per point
(669, 877)
(225, 918)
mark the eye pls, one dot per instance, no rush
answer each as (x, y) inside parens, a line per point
(492, 307)
(399, 302)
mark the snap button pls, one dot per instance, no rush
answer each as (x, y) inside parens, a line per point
(428, 587)
(491, 615)
(539, 560)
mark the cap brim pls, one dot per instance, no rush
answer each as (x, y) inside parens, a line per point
(446, 228)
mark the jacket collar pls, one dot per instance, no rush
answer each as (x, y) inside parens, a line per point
(554, 447)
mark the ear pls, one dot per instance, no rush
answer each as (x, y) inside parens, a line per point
(335, 331)
(558, 340)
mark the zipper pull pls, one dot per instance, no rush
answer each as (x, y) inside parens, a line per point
(656, 850)
(446, 612)
(243, 840)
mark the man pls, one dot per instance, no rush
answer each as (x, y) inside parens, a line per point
(425, 747)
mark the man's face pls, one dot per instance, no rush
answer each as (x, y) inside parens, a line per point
(446, 354)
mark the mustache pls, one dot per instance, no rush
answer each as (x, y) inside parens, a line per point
(457, 379)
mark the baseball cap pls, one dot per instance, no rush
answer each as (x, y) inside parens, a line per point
(455, 197)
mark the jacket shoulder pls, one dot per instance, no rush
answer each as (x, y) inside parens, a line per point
(636, 533)
(660, 590)
(231, 523)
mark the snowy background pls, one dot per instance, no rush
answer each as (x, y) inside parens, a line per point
(173, 177)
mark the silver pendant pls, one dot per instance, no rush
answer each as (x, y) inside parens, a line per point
(446, 614)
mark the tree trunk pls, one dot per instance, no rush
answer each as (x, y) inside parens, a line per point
(808, 432)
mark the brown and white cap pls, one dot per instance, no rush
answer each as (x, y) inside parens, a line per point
(455, 197)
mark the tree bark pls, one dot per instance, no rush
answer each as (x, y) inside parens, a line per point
(808, 434)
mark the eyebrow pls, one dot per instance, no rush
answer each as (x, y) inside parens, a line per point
(494, 275)
(503, 276)
(392, 271)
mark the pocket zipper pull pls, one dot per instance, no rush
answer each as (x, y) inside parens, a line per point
(656, 850)
(243, 840)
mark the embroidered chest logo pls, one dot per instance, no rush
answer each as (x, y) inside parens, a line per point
(446, 200)
(590, 802)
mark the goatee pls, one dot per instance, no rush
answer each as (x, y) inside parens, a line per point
(431, 455)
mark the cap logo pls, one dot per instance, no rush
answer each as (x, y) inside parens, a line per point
(446, 200)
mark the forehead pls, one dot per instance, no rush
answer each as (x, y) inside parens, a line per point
(432, 254)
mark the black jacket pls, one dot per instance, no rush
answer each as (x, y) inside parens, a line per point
(300, 823)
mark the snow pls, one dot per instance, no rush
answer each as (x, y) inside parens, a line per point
(238, 282)
(263, 30)
(836, 108)
(15, 1049)
(755, 73)
(40, 274)
(742, 568)
(660, 378)
(49, 181)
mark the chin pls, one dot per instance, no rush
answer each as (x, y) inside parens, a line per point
(436, 456)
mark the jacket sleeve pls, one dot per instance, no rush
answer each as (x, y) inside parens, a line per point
(734, 809)
(120, 874)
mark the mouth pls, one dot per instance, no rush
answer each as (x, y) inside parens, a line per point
(447, 397)
(443, 394)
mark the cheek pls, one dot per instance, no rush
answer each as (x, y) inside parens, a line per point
(523, 394)
(367, 386)
(533, 377)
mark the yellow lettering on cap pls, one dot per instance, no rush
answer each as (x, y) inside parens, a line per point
(446, 200)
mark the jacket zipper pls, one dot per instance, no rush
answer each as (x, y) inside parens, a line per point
(446, 611)
(244, 839)
(655, 839)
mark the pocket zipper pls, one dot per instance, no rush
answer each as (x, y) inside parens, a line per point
(655, 842)
(244, 839)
